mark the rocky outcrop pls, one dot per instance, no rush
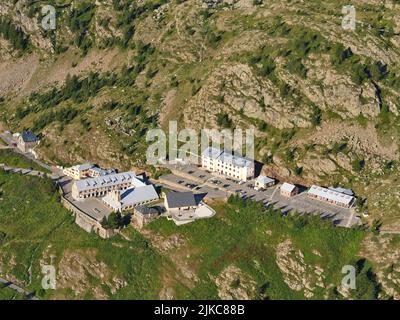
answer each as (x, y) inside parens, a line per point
(17, 10)
(234, 284)
(296, 273)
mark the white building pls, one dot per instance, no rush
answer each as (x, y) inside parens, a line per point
(239, 168)
(180, 201)
(101, 186)
(119, 200)
(331, 196)
(263, 182)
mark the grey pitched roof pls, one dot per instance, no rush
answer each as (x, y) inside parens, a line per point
(227, 157)
(349, 192)
(211, 152)
(288, 187)
(180, 199)
(108, 180)
(265, 179)
(133, 196)
(145, 210)
(28, 136)
(85, 166)
(235, 160)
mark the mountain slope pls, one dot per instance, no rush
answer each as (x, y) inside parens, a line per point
(324, 101)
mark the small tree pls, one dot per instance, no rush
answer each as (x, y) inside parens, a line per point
(114, 221)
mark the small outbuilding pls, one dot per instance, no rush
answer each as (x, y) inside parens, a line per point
(179, 201)
(263, 182)
(143, 215)
(289, 190)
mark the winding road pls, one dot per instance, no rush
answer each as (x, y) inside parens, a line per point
(9, 284)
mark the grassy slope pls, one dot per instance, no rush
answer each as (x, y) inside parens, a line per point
(12, 159)
(240, 237)
(35, 222)
(9, 294)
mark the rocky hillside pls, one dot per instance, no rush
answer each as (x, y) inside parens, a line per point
(324, 100)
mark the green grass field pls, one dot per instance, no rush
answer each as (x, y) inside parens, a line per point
(34, 226)
(12, 159)
(9, 294)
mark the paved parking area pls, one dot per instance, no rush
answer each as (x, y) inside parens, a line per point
(183, 184)
(220, 186)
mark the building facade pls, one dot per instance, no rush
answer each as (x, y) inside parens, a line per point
(27, 141)
(289, 190)
(263, 182)
(143, 215)
(101, 186)
(331, 196)
(78, 172)
(86, 170)
(222, 162)
(123, 200)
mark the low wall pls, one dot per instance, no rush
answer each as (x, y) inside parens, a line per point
(187, 176)
(173, 184)
(86, 222)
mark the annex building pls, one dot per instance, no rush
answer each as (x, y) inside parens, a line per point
(122, 200)
(101, 186)
(331, 196)
(86, 170)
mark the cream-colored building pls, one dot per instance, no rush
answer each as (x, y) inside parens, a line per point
(78, 172)
(86, 170)
(180, 201)
(238, 168)
(101, 186)
(331, 196)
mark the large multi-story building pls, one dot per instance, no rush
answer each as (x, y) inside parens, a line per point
(101, 186)
(238, 168)
(86, 170)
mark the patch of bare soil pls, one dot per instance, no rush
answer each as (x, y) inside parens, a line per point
(167, 106)
(14, 74)
(234, 284)
(28, 74)
(75, 270)
(296, 273)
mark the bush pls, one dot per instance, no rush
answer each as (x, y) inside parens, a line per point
(224, 121)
